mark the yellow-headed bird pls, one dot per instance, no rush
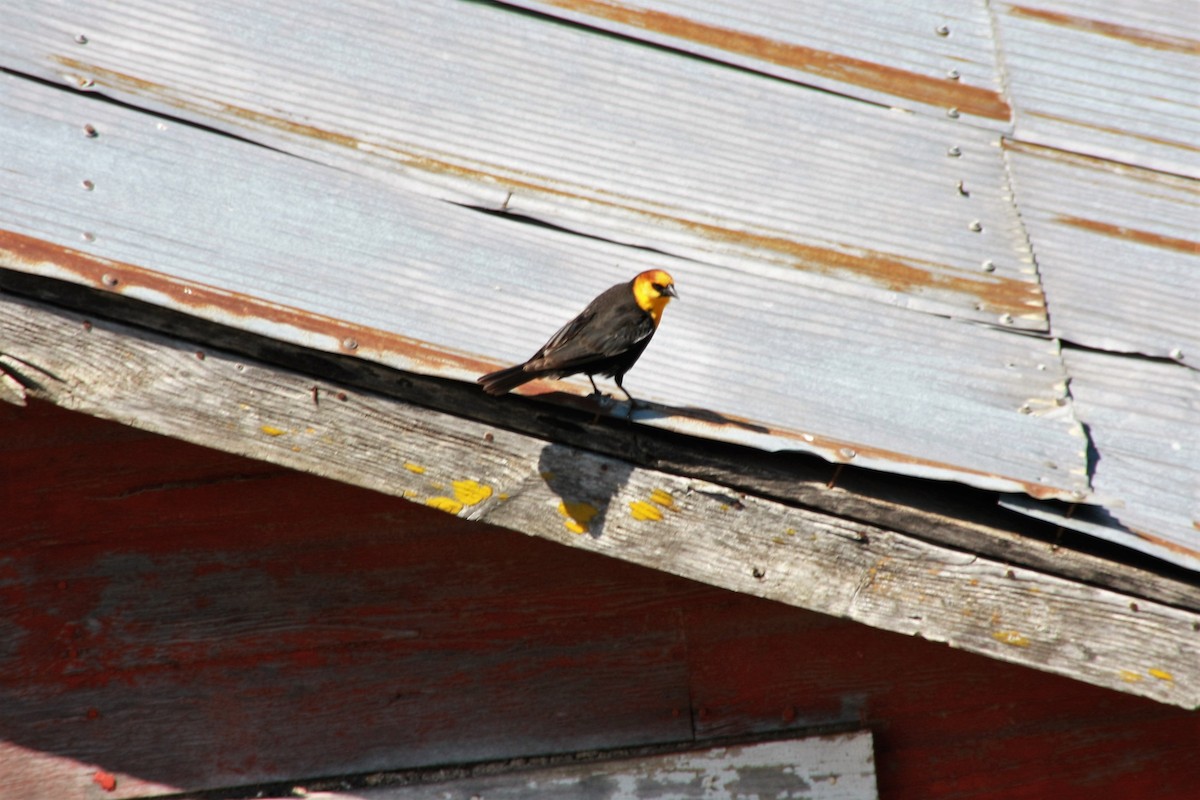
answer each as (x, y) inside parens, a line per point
(605, 339)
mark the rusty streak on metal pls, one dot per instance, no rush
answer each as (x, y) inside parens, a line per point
(1137, 36)
(1174, 547)
(1132, 234)
(996, 294)
(925, 89)
(18, 250)
(1189, 146)
(145, 87)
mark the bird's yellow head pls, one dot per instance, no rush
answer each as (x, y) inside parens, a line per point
(652, 290)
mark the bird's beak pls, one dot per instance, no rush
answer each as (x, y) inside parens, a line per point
(669, 291)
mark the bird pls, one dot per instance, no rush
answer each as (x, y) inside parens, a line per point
(607, 337)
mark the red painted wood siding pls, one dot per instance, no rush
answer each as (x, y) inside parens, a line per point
(186, 618)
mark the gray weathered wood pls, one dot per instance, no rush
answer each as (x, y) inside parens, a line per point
(838, 767)
(687, 527)
(942, 513)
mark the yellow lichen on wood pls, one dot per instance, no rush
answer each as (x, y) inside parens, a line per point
(579, 515)
(271, 430)
(414, 468)
(663, 498)
(471, 492)
(1129, 676)
(1161, 674)
(1011, 638)
(447, 504)
(644, 512)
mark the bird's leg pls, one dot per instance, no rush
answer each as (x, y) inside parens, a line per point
(633, 403)
(595, 389)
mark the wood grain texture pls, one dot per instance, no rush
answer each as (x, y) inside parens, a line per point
(690, 528)
(839, 767)
(942, 513)
(178, 618)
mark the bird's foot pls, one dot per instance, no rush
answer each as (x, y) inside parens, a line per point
(601, 398)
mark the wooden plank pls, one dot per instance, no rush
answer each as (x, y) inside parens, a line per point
(287, 638)
(685, 527)
(943, 513)
(271, 625)
(838, 767)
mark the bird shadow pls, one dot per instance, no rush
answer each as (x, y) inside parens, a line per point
(585, 484)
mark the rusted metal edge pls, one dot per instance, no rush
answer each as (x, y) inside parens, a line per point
(1137, 36)
(1170, 550)
(35, 256)
(994, 294)
(39, 257)
(923, 89)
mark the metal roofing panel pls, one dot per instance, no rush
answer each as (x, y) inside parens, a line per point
(1117, 250)
(602, 135)
(1144, 419)
(931, 57)
(292, 249)
(1111, 79)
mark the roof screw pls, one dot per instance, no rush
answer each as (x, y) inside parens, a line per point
(953, 74)
(942, 30)
(759, 573)
(976, 226)
(962, 189)
(90, 131)
(988, 266)
(1026, 409)
(109, 280)
(1176, 353)
(350, 343)
(954, 152)
(80, 39)
(88, 185)
(952, 113)
(847, 453)
(84, 83)
(1006, 319)
(88, 236)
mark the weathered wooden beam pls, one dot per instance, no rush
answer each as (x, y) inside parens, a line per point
(685, 526)
(936, 511)
(837, 767)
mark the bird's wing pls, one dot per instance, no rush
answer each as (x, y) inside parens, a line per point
(602, 330)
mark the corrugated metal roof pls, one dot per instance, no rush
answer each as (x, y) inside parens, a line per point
(301, 252)
(834, 255)
(1117, 251)
(1111, 79)
(729, 168)
(930, 57)
(1143, 419)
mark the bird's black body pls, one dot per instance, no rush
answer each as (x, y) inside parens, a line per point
(607, 338)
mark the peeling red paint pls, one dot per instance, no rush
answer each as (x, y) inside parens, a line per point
(105, 780)
(835, 66)
(447, 641)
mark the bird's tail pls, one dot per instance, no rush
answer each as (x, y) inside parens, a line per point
(503, 380)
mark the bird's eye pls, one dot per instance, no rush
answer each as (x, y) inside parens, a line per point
(658, 287)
